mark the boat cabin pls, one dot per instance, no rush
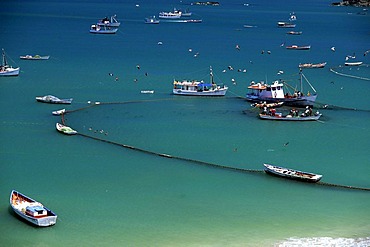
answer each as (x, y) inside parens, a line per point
(36, 211)
(262, 90)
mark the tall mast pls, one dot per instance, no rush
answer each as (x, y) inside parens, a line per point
(4, 59)
(300, 73)
(211, 74)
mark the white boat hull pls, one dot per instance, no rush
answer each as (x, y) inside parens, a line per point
(19, 207)
(10, 72)
(292, 174)
(218, 92)
(281, 118)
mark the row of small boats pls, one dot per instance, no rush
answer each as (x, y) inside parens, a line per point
(37, 214)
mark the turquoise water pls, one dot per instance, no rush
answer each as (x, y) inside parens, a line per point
(106, 195)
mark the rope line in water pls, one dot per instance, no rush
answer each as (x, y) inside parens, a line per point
(210, 164)
(347, 75)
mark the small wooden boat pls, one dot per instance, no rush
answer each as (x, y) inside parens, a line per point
(280, 117)
(65, 129)
(296, 47)
(292, 174)
(267, 105)
(294, 32)
(99, 29)
(59, 112)
(151, 20)
(53, 100)
(311, 65)
(36, 57)
(6, 69)
(286, 24)
(31, 210)
(109, 22)
(352, 63)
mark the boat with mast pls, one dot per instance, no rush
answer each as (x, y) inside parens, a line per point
(271, 93)
(199, 88)
(6, 69)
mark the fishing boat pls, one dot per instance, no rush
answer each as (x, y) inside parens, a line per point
(175, 14)
(31, 210)
(58, 112)
(272, 93)
(286, 24)
(6, 69)
(311, 65)
(102, 29)
(292, 174)
(65, 129)
(53, 100)
(109, 22)
(353, 63)
(151, 20)
(296, 47)
(36, 57)
(198, 88)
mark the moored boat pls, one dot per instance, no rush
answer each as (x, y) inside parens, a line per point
(311, 65)
(294, 32)
(109, 22)
(31, 210)
(267, 105)
(102, 29)
(352, 63)
(272, 93)
(292, 174)
(65, 129)
(286, 24)
(151, 20)
(199, 88)
(36, 57)
(53, 100)
(176, 14)
(280, 117)
(58, 112)
(296, 47)
(6, 69)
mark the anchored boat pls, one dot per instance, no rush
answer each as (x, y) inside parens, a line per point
(271, 93)
(199, 88)
(292, 174)
(31, 210)
(6, 69)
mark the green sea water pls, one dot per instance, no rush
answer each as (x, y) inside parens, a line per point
(108, 195)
